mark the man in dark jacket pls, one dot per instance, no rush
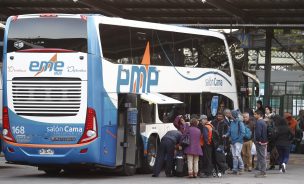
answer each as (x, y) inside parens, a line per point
(222, 127)
(166, 150)
(206, 165)
(261, 143)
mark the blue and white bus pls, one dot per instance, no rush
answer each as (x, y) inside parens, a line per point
(100, 92)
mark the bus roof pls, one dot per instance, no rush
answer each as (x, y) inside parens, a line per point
(131, 23)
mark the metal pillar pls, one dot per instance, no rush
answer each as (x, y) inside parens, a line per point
(246, 66)
(269, 36)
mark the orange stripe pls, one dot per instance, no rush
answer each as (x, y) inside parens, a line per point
(134, 87)
(141, 80)
(46, 145)
(111, 134)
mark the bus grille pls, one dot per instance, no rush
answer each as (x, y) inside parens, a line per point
(46, 96)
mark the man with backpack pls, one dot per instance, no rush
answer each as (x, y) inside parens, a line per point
(222, 128)
(206, 165)
(247, 145)
(236, 133)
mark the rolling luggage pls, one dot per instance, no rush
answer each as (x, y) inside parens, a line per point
(220, 159)
(180, 165)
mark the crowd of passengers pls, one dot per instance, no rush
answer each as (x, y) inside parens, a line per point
(229, 143)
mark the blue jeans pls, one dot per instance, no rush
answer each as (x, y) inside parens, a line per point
(283, 154)
(236, 150)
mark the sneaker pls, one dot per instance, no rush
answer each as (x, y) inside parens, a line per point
(283, 167)
(154, 175)
(260, 175)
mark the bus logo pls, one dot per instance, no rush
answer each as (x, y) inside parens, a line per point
(140, 78)
(44, 66)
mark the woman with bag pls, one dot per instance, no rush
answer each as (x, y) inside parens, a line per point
(193, 150)
(180, 123)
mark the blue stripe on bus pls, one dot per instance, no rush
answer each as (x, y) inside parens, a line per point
(202, 75)
(98, 98)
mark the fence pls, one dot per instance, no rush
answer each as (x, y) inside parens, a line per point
(285, 97)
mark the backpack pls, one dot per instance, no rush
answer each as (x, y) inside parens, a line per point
(247, 132)
(215, 138)
(210, 128)
(298, 133)
(270, 131)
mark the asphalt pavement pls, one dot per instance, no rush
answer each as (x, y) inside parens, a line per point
(15, 174)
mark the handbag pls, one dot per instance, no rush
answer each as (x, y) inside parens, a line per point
(185, 140)
(253, 149)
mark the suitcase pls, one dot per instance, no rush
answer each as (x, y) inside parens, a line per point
(180, 165)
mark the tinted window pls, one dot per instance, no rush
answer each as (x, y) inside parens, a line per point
(127, 45)
(39, 33)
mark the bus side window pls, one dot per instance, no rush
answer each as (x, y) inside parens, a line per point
(115, 43)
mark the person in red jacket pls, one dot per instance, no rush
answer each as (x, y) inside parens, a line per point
(292, 123)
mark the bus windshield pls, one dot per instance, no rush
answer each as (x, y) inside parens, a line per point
(44, 33)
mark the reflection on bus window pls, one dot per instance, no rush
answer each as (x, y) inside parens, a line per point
(147, 112)
(168, 112)
(126, 45)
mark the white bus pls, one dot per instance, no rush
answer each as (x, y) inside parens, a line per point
(96, 91)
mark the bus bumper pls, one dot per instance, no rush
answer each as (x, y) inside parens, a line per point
(36, 155)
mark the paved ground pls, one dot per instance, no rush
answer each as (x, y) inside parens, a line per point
(16, 174)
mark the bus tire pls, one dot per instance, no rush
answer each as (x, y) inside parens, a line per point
(149, 159)
(52, 171)
(128, 170)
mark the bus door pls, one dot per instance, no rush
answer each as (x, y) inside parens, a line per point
(127, 133)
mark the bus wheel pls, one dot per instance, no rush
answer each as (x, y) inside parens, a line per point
(128, 170)
(149, 159)
(52, 171)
